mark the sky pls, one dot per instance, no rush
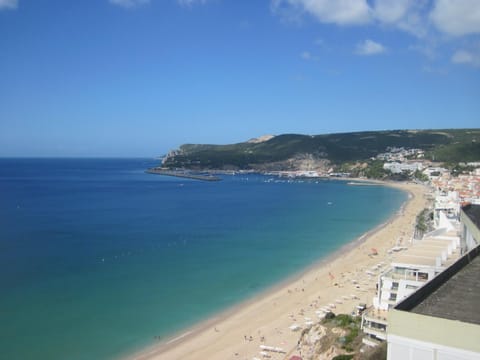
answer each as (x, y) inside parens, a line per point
(136, 78)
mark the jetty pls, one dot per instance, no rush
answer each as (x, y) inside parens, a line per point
(183, 174)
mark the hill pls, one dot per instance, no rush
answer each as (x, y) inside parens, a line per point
(289, 150)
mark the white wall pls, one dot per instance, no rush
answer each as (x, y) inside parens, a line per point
(402, 348)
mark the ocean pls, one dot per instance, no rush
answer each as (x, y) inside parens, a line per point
(98, 258)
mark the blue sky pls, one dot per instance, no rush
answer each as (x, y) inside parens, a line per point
(140, 77)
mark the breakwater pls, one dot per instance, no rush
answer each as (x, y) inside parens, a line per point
(183, 174)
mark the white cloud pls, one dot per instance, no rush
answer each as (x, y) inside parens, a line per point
(417, 17)
(406, 15)
(128, 3)
(308, 56)
(135, 3)
(457, 17)
(191, 2)
(370, 47)
(467, 57)
(462, 57)
(8, 4)
(428, 48)
(414, 23)
(426, 20)
(340, 12)
(391, 11)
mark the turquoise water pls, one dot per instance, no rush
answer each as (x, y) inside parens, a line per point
(97, 257)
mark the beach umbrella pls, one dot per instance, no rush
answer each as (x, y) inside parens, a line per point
(295, 327)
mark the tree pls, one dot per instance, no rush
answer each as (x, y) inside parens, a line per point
(420, 176)
(375, 170)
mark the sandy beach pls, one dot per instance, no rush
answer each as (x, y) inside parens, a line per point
(342, 281)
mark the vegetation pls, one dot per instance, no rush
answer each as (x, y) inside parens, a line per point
(343, 357)
(339, 336)
(403, 176)
(375, 170)
(421, 221)
(440, 145)
(423, 224)
(458, 168)
(349, 323)
(456, 151)
(420, 176)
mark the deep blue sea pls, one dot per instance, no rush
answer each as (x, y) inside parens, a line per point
(97, 257)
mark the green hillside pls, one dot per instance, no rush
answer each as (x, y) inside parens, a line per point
(440, 145)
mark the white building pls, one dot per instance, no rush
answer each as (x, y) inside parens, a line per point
(410, 270)
(441, 320)
(434, 172)
(447, 203)
(397, 168)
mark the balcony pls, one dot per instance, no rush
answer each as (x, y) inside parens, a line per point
(376, 316)
(371, 341)
(380, 334)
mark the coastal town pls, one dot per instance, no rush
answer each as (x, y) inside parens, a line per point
(418, 279)
(446, 246)
(362, 303)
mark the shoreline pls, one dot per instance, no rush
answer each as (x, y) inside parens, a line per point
(268, 314)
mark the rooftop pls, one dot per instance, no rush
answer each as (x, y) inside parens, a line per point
(414, 260)
(473, 213)
(425, 252)
(453, 295)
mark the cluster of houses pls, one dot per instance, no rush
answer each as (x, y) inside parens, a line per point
(399, 160)
(457, 189)
(426, 303)
(427, 297)
(400, 154)
(400, 167)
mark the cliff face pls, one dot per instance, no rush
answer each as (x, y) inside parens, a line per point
(317, 152)
(300, 162)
